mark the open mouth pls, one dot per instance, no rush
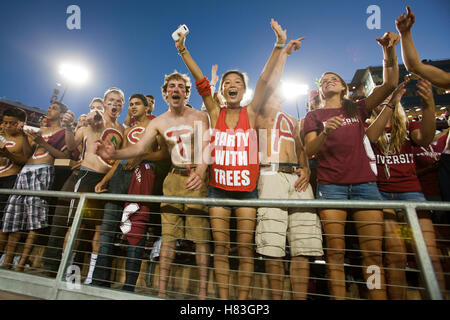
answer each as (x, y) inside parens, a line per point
(176, 97)
(233, 93)
(114, 110)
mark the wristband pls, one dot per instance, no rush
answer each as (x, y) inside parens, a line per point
(182, 51)
(279, 45)
(203, 87)
(389, 63)
(389, 105)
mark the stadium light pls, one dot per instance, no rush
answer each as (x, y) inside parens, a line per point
(73, 74)
(292, 90)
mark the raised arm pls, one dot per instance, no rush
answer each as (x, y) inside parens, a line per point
(275, 77)
(214, 78)
(212, 108)
(262, 90)
(160, 154)
(106, 149)
(376, 128)
(410, 56)
(424, 136)
(390, 70)
(72, 139)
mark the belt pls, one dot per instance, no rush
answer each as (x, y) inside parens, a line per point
(287, 169)
(281, 168)
(180, 171)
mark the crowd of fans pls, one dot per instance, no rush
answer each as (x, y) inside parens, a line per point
(344, 148)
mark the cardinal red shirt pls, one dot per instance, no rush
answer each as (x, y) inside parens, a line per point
(234, 152)
(396, 171)
(429, 158)
(346, 157)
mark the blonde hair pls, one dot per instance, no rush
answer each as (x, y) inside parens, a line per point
(177, 76)
(114, 90)
(398, 130)
(95, 100)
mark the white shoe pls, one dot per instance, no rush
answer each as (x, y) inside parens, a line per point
(16, 261)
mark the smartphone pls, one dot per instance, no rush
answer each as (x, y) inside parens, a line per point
(183, 29)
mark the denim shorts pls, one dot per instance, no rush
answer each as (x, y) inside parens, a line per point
(358, 191)
(405, 196)
(235, 195)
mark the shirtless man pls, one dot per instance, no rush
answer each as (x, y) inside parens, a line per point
(14, 153)
(102, 126)
(118, 181)
(285, 174)
(180, 127)
(52, 253)
(37, 174)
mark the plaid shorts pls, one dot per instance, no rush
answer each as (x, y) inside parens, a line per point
(29, 212)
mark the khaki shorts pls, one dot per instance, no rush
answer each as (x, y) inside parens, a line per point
(184, 221)
(301, 226)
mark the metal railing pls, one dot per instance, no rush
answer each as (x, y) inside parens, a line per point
(58, 288)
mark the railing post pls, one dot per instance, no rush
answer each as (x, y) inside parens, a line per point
(69, 246)
(425, 264)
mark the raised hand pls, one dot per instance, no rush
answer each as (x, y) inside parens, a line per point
(94, 118)
(279, 32)
(105, 149)
(214, 76)
(398, 93)
(68, 119)
(389, 39)
(180, 42)
(405, 22)
(425, 91)
(293, 45)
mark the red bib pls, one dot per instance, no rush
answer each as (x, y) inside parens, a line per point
(234, 154)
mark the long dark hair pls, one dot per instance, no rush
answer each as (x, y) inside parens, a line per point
(348, 105)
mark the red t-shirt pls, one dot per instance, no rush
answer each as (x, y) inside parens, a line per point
(234, 153)
(346, 156)
(429, 158)
(400, 166)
